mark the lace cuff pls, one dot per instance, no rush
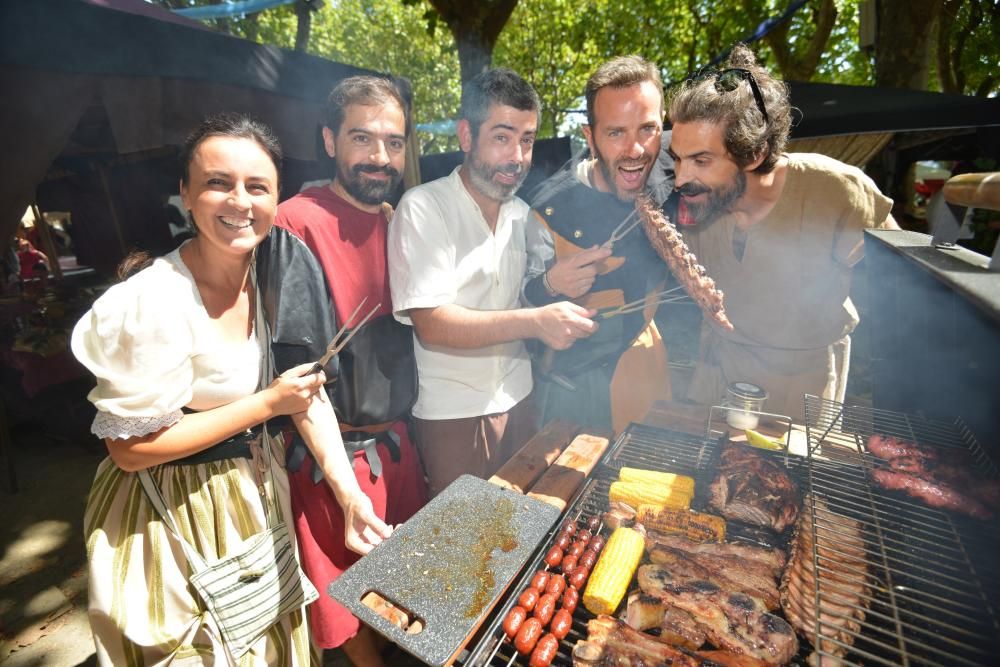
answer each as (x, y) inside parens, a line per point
(107, 425)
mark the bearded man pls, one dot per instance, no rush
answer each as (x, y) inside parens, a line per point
(778, 232)
(613, 377)
(456, 261)
(344, 224)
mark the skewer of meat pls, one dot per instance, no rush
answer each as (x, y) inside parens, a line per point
(669, 244)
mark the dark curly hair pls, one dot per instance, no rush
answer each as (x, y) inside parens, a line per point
(748, 135)
(229, 124)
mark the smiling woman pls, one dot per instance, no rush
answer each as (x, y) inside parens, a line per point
(184, 392)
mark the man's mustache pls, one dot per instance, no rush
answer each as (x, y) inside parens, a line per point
(692, 190)
(375, 169)
(511, 169)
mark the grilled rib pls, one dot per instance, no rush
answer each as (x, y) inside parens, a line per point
(772, 558)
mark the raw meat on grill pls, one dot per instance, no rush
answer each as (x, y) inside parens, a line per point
(887, 447)
(935, 494)
(734, 621)
(750, 488)
(838, 546)
(670, 246)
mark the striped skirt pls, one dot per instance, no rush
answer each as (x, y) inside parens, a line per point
(142, 609)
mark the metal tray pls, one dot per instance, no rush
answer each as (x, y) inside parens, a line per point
(448, 565)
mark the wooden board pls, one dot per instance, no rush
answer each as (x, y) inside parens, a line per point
(527, 465)
(560, 482)
(447, 566)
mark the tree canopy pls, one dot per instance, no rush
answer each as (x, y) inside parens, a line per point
(948, 45)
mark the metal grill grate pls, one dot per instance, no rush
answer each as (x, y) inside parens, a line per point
(640, 446)
(933, 575)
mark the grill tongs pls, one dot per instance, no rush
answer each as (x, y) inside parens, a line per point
(341, 338)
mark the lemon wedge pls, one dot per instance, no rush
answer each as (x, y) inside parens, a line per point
(761, 441)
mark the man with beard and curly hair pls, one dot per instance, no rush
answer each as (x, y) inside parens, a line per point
(345, 225)
(456, 258)
(616, 375)
(778, 232)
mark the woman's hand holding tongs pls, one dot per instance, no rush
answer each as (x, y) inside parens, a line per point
(291, 392)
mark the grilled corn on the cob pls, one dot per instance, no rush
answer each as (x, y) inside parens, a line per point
(681, 483)
(635, 494)
(613, 571)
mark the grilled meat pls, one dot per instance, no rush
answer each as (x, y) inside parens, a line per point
(735, 622)
(674, 567)
(772, 558)
(836, 546)
(727, 659)
(648, 612)
(750, 488)
(887, 447)
(949, 483)
(670, 246)
(624, 646)
(935, 494)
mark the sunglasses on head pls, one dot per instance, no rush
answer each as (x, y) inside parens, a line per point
(728, 80)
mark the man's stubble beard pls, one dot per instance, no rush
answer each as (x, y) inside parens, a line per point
(481, 176)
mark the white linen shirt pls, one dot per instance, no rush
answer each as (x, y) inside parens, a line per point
(441, 251)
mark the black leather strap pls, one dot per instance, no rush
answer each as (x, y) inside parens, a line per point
(237, 446)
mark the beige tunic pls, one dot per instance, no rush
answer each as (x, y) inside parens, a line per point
(788, 297)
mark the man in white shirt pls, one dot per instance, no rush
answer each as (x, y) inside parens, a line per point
(456, 261)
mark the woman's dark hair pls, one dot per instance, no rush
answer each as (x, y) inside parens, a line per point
(225, 124)
(237, 126)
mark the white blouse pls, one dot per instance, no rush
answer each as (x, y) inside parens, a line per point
(154, 350)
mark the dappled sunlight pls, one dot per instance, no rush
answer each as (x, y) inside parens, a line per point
(34, 542)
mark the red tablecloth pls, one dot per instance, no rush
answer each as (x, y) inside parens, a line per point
(38, 372)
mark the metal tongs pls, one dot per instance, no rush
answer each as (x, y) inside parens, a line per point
(622, 230)
(666, 296)
(339, 339)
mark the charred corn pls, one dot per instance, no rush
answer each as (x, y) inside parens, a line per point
(635, 494)
(654, 517)
(681, 483)
(613, 571)
(705, 528)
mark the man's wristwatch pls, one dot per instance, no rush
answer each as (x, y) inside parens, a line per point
(547, 285)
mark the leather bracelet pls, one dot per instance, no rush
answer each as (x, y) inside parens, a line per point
(547, 285)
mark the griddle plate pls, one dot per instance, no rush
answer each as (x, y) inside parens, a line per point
(448, 565)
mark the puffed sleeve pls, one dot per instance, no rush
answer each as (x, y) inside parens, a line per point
(137, 341)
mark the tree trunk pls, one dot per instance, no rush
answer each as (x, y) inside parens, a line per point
(476, 27)
(799, 65)
(303, 26)
(902, 48)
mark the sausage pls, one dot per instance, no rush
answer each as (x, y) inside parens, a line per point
(563, 541)
(561, 623)
(545, 651)
(594, 522)
(554, 557)
(579, 577)
(569, 527)
(569, 561)
(596, 543)
(570, 599)
(556, 585)
(583, 536)
(528, 636)
(512, 622)
(528, 598)
(587, 560)
(539, 580)
(577, 548)
(545, 607)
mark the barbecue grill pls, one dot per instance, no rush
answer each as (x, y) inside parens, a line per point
(933, 580)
